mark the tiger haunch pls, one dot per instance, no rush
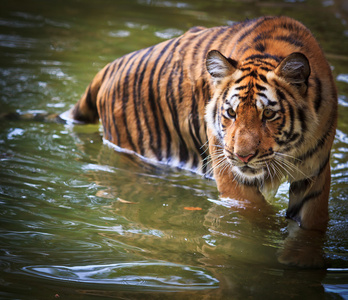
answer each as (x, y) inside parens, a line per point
(250, 103)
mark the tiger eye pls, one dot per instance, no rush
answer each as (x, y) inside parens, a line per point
(268, 114)
(231, 113)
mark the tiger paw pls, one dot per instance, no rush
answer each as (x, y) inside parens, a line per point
(303, 248)
(302, 256)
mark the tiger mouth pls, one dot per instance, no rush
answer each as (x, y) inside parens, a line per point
(249, 173)
(247, 169)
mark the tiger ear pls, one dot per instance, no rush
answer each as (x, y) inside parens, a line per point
(295, 69)
(219, 66)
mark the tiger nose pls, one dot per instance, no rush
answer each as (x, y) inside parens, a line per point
(245, 158)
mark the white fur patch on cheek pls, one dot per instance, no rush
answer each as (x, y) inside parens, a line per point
(210, 117)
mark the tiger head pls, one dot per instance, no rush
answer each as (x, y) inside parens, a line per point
(257, 113)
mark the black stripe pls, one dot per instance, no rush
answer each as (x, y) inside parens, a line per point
(215, 111)
(117, 142)
(252, 28)
(101, 104)
(142, 98)
(260, 87)
(221, 30)
(269, 102)
(208, 45)
(107, 69)
(294, 137)
(153, 102)
(224, 95)
(264, 35)
(90, 103)
(110, 76)
(194, 131)
(280, 96)
(291, 26)
(266, 69)
(290, 135)
(303, 120)
(206, 93)
(323, 165)
(136, 103)
(298, 143)
(260, 63)
(195, 161)
(318, 91)
(115, 96)
(219, 114)
(125, 99)
(103, 111)
(321, 142)
(260, 47)
(171, 102)
(195, 43)
(108, 93)
(158, 80)
(263, 78)
(292, 120)
(107, 116)
(265, 155)
(251, 74)
(301, 186)
(242, 87)
(264, 56)
(291, 39)
(294, 210)
(203, 150)
(195, 119)
(120, 85)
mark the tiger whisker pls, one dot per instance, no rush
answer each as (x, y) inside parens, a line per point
(279, 164)
(277, 171)
(205, 144)
(287, 166)
(287, 156)
(269, 173)
(219, 159)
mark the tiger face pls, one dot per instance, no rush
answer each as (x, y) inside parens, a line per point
(251, 114)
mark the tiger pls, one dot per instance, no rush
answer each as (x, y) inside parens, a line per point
(251, 105)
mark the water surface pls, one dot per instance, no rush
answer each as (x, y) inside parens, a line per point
(80, 221)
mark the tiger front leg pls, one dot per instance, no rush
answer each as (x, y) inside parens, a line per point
(308, 211)
(308, 201)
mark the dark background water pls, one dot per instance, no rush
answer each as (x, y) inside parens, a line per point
(80, 221)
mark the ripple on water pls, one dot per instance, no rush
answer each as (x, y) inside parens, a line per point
(144, 275)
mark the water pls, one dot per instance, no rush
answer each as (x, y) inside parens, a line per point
(80, 221)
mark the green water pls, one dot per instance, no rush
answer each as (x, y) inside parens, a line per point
(80, 221)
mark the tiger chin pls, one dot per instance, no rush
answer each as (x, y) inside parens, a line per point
(250, 103)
